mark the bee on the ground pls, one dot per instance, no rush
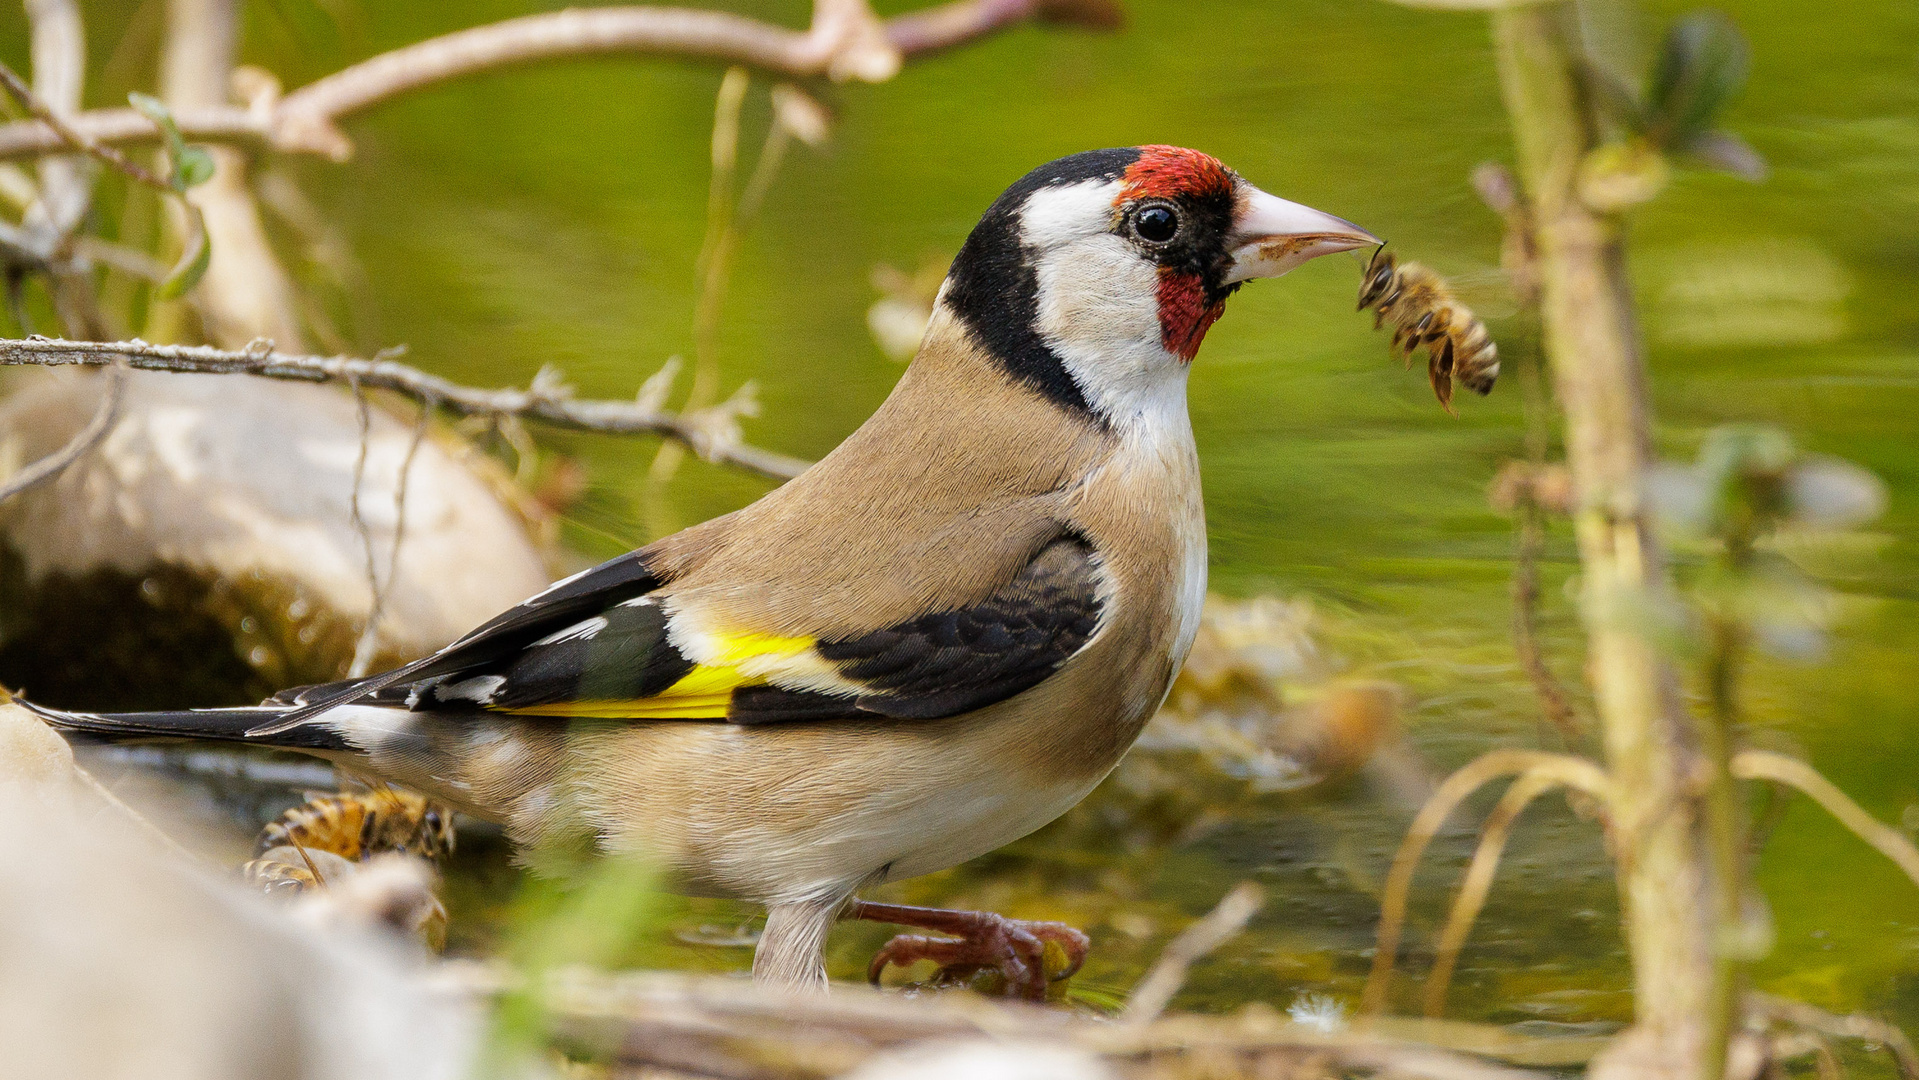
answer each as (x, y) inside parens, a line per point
(288, 870)
(350, 826)
(1423, 313)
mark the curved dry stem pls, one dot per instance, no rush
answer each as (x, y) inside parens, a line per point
(1577, 773)
(1478, 883)
(77, 447)
(1852, 1026)
(1796, 774)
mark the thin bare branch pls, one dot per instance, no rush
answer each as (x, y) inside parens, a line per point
(1573, 772)
(124, 127)
(1477, 884)
(1168, 973)
(111, 802)
(370, 633)
(1790, 771)
(69, 135)
(547, 401)
(1553, 698)
(77, 447)
(932, 29)
(842, 43)
(366, 647)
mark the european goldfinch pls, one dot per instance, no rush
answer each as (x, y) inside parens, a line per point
(931, 643)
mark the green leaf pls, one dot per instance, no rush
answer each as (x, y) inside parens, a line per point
(1725, 152)
(193, 261)
(178, 153)
(193, 167)
(1702, 65)
(156, 110)
(1615, 102)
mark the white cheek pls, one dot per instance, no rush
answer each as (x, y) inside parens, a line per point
(1098, 293)
(1099, 311)
(1054, 216)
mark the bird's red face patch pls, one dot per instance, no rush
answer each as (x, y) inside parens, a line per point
(1184, 177)
(1173, 173)
(1184, 314)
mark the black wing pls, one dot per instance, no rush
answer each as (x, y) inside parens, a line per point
(949, 662)
(597, 645)
(494, 644)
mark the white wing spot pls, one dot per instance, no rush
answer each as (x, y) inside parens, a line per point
(560, 584)
(638, 601)
(480, 688)
(584, 630)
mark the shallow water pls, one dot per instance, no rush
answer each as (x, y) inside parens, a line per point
(552, 216)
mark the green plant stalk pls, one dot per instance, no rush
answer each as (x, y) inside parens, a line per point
(1682, 982)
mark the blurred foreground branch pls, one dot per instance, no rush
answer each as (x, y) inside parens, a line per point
(708, 1026)
(845, 41)
(1150, 997)
(711, 433)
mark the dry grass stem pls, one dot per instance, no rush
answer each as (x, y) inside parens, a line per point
(715, 260)
(547, 400)
(134, 817)
(1553, 699)
(1853, 1026)
(1796, 774)
(1573, 772)
(1477, 884)
(845, 41)
(1150, 997)
(77, 447)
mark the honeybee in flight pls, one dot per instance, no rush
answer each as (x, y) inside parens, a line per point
(1423, 313)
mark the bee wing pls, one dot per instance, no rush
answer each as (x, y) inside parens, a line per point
(1487, 290)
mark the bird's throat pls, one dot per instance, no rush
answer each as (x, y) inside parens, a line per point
(1186, 312)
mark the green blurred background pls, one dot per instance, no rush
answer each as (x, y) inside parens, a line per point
(552, 215)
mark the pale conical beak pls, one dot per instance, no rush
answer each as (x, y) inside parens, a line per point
(1271, 236)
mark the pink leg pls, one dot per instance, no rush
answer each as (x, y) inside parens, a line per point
(980, 939)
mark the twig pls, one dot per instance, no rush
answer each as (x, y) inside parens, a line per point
(1853, 1026)
(545, 401)
(1553, 699)
(363, 649)
(77, 447)
(69, 135)
(1573, 772)
(1477, 883)
(1163, 980)
(138, 820)
(917, 33)
(1790, 771)
(369, 638)
(305, 121)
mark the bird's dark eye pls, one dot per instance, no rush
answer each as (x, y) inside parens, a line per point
(1156, 224)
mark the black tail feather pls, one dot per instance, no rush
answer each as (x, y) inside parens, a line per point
(221, 725)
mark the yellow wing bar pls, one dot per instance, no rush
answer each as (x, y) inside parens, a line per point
(701, 694)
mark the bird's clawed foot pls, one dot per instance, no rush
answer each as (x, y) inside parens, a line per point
(981, 940)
